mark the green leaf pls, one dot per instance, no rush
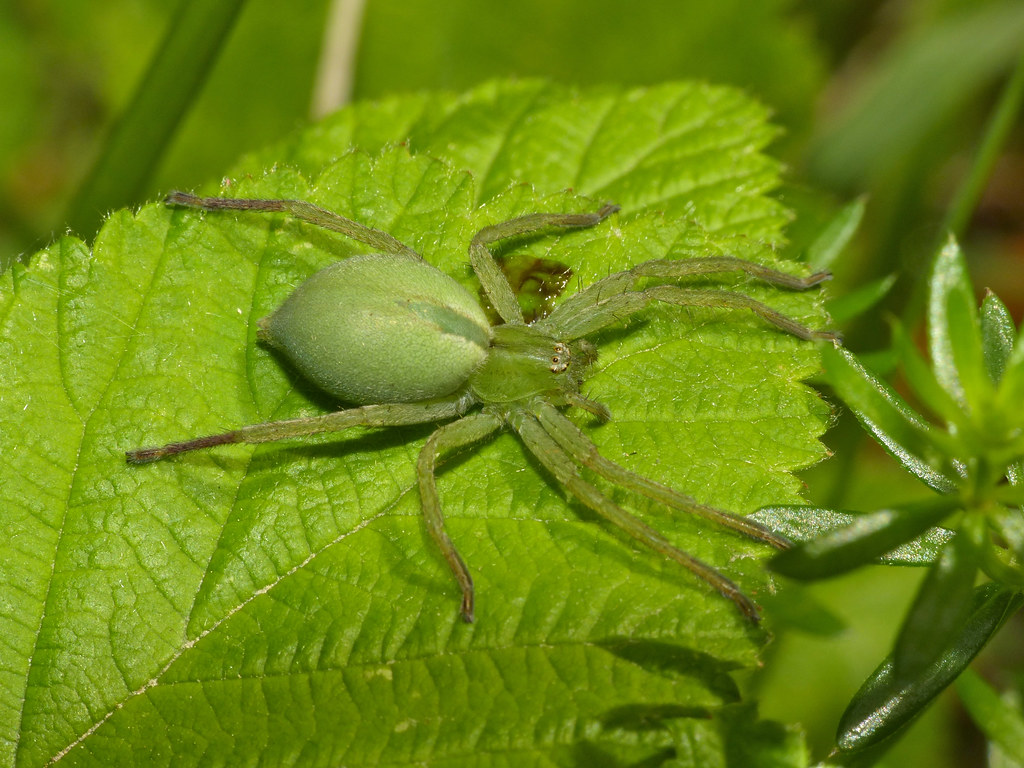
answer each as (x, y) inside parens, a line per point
(997, 334)
(1002, 560)
(922, 379)
(966, 347)
(934, 620)
(886, 703)
(1001, 722)
(1010, 525)
(1011, 393)
(803, 523)
(283, 602)
(949, 289)
(869, 537)
(736, 737)
(919, 447)
(596, 142)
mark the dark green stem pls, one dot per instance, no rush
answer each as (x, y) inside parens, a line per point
(992, 142)
(138, 139)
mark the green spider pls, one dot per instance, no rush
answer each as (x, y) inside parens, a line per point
(407, 344)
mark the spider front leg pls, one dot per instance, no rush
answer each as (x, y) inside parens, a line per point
(616, 297)
(492, 279)
(386, 415)
(300, 209)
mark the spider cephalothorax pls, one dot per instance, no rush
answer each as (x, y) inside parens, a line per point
(407, 344)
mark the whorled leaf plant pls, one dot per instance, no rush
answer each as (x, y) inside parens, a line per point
(971, 454)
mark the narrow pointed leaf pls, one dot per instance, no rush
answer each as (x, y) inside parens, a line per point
(836, 235)
(922, 378)
(1003, 560)
(1011, 386)
(803, 523)
(966, 347)
(1002, 723)
(919, 447)
(883, 704)
(935, 618)
(1011, 528)
(997, 335)
(949, 276)
(1009, 397)
(869, 537)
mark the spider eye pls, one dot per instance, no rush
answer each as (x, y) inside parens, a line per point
(560, 359)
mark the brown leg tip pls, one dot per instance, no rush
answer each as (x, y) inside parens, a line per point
(817, 278)
(467, 608)
(181, 198)
(144, 455)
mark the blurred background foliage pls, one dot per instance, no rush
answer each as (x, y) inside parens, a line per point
(887, 98)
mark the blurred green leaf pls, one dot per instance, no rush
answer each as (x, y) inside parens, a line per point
(259, 603)
(1001, 723)
(795, 607)
(849, 305)
(869, 537)
(733, 737)
(1003, 559)
(885, 703)
(942, 603)
(409, 45)
(1011, 528)
(920, 448)
(836, 235)
(924, 79)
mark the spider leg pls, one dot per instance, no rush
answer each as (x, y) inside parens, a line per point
(300, 209)
(616, 296)
(716, 264)
(494, 282)
(549, 453)
(457, 434)
(386, 415)
(583, 451)
(618, 306)
(696, 297)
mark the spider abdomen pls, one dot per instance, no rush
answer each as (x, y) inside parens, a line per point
(381, 328)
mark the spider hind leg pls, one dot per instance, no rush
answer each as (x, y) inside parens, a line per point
(564, 468)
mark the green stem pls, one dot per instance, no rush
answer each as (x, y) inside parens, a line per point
(998, 129)
(139, 137)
